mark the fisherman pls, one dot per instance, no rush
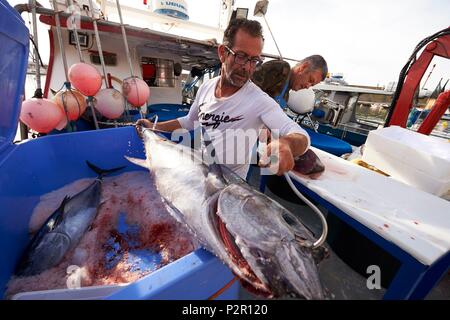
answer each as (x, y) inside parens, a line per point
(231, 102)
(276, 77)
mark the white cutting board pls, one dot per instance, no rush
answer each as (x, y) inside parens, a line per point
(416, 221)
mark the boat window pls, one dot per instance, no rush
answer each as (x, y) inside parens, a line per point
(158, 72)
(372, 109)
(109, 58)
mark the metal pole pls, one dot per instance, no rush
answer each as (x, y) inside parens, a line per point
(64, 58)
(99, 45)
(61, 45)
(75, 31)
(90, 100)
(36, 53)
(125, 41)
(127, 51)
(279, 52)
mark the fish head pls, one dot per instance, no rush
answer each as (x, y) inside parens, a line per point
(157, 147)
(139, 130)
(275, 257)
(47, 253)
(147, 134)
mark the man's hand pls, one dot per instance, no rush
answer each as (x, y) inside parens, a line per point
(168, 126)
(145, 123)
(279, 158)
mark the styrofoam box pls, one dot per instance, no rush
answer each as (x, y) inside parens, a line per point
(410, 157)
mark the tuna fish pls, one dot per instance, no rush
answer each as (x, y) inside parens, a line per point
(63, 230)
(246, 229)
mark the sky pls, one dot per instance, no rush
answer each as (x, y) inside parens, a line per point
(368, 41)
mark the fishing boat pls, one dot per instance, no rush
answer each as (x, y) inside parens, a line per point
(350, 112)
(172, 65)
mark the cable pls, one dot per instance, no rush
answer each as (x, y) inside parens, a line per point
(323, 220)
(37, 50)
(221, 290)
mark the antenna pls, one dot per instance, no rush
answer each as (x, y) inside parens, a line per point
(260, 11)
(432, 69)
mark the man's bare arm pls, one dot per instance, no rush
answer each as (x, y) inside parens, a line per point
(297, 142)
(169, 126)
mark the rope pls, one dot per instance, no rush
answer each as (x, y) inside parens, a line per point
(221, 290)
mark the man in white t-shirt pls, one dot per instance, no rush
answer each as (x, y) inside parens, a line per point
(232, 109)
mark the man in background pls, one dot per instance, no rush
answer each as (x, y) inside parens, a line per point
(276, 77)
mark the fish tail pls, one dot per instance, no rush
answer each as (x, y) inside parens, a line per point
(102, 172)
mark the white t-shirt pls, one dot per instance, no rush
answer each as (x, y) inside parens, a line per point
(233, 123)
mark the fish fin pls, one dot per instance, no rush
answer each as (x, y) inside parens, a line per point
(102, 172)
(101, 204)
(174, 212)
(209, 145)
(179, 217)
(59, 213)
(54, 219)
(138, 162)
(211, 160)
(230, 176)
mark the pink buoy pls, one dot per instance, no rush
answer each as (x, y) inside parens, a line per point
(74, 102)
(110, 103)
(136, 91)
(85, 78)
(41, 115)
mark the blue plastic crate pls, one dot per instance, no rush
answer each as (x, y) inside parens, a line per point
(36, 167)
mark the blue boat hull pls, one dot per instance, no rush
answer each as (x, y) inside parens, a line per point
(353, 138)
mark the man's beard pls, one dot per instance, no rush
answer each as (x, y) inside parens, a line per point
(234, 81)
